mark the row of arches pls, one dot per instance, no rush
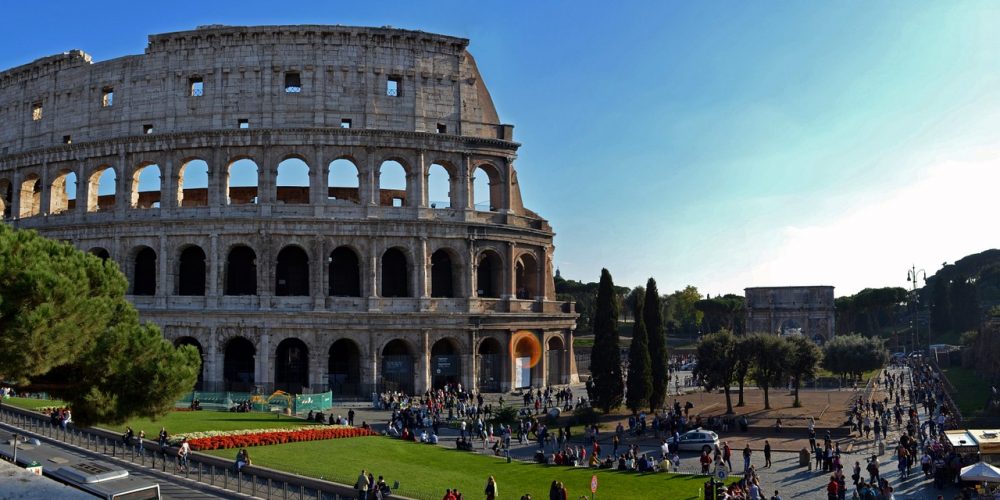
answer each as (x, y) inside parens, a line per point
(396, 365)
(293, 273)
(241, 185)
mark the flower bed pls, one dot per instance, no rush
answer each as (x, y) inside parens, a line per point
(265, 437)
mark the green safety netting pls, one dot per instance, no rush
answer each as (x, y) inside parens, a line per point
(315, 402)
(213, 400)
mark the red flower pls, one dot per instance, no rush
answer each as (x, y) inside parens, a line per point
(277, 437)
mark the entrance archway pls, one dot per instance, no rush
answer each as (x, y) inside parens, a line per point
(527, 353)
(198, 386)
(291, 366)
(344, 368)
(446, 363)
(397, 367)
(557, 353)
(238, 365)
(490, 365)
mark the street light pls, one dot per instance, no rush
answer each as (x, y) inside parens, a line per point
(911, 276)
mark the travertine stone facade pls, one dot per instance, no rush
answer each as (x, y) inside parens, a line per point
(302, 288)
(791, 310)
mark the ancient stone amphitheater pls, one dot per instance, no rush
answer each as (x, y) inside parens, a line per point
(268, 191)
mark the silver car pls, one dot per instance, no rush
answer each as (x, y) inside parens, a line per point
(699, 440)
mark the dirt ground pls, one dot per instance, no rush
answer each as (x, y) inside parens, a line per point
(827, 407)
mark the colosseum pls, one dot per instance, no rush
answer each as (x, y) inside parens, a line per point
(269, 192)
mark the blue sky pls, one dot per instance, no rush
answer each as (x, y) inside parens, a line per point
(719, 144)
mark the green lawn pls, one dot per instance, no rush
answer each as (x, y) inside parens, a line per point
(32, 404)
(424, 471)
(972, 389)
(177, 422)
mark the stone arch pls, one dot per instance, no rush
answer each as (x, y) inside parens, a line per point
(102, 189)
(393, 183)
(292, 181)
(242, 182)
(199, 385)
(489, 274)
(239, 364)
(31, 196)
(6, 195)
(62, 192)
(446, 363)
(192, 183)
(487, 187)
(143, 271)
(526, 353)
(291, 366)
(395, 278)
(344, 368)
(490, 366)
(344, 273)
(556, 349)
(191, 271)
(526, 277)
(343, 182)
(446, 274)
(146, 182)
(241, 271)
(100, 253)
(292, 272)
(397, 373)
(440, 185)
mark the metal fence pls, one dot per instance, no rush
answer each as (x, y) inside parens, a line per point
(166, 461)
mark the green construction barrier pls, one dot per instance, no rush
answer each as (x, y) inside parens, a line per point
(213, 400)
(315, 402)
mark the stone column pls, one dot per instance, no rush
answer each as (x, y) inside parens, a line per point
(317, 282)
(317, 181)
(368, 186)
(15, 195)
(264, 360)
(168, 184)
(463, 185)
(164, 282)
(507, 177)
(45, 202)
(473, 377)
(123, 186)
(508, 274)
(544, 363)
(213, 365)
(266, 170)
(423, 368)
(417, 197)
(421, 267)
(81, 189)
(215, 260)
(218, 175)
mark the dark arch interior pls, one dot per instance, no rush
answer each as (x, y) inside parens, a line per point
(555, 361)
(344, 375)
(6, 195)
(201, 354)
(144, 276)
(100, 253)
(291, 373)
(345, 275)
(490, 365)
(241, 272)
(397, 367)
(238, 366)
(292, 276)
(191, 275)
(526, 278)
(446, 364)
(488, 276)
(394, 282)
(442, 277)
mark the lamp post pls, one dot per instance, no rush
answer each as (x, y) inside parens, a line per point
(911, 276)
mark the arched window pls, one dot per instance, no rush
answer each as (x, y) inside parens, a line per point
(102, 189)
(442, 275)
(486, 188)
(31, 196)
(241, 271)
(291, 370)
(241, 183)
(292, 182)
(488, 275)
(526, 277)
(342, 181)
(146, 187)
(392, 184)
(193, 183)
(191, 272)
(394, 274)
(344, 372)
(345, 273)
(144, 272)
(292, 276)
(238, 365)
(438, 187)
(63, 193)
(6, 195)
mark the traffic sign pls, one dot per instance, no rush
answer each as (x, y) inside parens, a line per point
(593, 484)
(722, 473)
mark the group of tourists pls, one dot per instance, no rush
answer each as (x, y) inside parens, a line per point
(320, 418)
(369, 488)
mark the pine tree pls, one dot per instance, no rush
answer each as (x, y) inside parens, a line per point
(639, 383)
(605, 357)
(653, 315)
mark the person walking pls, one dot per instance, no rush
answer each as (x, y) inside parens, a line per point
(182, 455)
(491, 489)
(767, 454)
(746, 457)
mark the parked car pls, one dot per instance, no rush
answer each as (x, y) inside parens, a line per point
(689, 366)
(699, 440)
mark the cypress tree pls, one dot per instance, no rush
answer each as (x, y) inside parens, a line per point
(653, 315)
(639, 384)
(605, 357)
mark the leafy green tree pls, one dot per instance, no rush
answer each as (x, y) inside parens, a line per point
(653, 315)
(605, 357)
(769, 355)
(803, 362)
(742, 361)
(852, 355)
(716, 363)
(681, 310)
(640, 378)
(66, 328)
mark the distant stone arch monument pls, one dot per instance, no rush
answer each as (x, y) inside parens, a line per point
(791, 311)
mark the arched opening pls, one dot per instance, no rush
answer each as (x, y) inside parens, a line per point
(191, 272)
(557, 354)
(241, 271)
(193, 183)
(446, 363)
(526, 277)
(344, 273)
(292, 182)
(292, 274)
(438, 187)
(394, 274)
(100, 253)
(342, 182)
(291, 366)
(791, 327)
(241, 183)
(344, 369)
(238, 365)
(6, 194)
(392, 184)
(397, 367)
(486, 188)
(63, 193)
(144, 272)
(31, 196)
(201, 354)
(442, 276)
(488, 275)
(146, 187)
(102, 189)
(490, 365)
(527, 353)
